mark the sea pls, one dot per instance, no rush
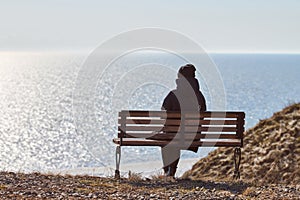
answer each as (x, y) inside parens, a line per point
(57, 114)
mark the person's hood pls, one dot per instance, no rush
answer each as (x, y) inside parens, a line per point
(185, 83)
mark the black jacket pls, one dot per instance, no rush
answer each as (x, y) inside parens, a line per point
(186, 97)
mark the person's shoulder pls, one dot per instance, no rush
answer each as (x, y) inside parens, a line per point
(171, 94)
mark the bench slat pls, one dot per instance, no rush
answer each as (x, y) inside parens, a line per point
(161, 143)
(210, 122)
(164, 136)
(163, 114)
(212, 115)
(178, 122)
(187, 129)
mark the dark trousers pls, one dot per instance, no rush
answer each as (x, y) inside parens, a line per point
(170, 157)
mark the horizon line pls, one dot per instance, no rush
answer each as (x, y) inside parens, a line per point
(87, 51)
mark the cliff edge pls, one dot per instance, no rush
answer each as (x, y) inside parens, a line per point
(271, 153)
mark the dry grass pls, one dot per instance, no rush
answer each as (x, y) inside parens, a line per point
(41, 186)
(271, 153)
(134, 177)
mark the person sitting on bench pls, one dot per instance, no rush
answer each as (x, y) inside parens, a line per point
(186, 97)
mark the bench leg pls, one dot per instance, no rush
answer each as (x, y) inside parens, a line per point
(118, 159)
(237, 161)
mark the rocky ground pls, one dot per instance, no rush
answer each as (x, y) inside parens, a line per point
(41, 186)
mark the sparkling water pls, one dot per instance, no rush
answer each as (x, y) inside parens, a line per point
(37, 124)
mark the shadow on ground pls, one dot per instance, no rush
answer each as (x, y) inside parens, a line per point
(237, 187)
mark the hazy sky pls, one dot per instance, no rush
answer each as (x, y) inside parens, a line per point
(228, 25)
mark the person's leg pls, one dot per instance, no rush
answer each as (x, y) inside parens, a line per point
(170, 157)
(173, 167)
(164, 155)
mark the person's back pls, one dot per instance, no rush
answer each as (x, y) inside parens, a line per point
(186, 97)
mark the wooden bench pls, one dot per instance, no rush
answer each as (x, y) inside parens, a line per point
(184, 130)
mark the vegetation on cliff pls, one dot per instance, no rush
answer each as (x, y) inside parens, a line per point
(271, 153)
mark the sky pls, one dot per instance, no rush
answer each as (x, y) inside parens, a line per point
(218, 26)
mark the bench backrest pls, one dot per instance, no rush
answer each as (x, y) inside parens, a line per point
(161, 125)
